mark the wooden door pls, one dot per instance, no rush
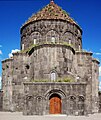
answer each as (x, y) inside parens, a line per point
(55, 105)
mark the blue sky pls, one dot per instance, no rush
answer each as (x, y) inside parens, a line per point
(13, 14)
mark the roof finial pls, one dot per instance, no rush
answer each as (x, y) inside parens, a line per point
(51, 0)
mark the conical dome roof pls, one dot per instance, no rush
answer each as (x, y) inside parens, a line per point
(51, 11)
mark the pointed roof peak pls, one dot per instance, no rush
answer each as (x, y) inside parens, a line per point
(51, 11)
(52, 2)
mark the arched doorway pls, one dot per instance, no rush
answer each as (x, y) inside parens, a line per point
(55, 104)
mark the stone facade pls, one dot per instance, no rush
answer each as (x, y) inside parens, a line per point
(100, 102)
(42, 31)
(51, 64)
(73, 97)
(1, 100)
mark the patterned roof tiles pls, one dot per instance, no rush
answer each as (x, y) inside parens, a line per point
(51, 11)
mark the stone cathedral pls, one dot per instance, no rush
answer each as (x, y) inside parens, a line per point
(51, 74)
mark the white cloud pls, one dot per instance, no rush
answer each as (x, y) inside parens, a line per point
(97, 53)
(0, 52)
(13, 51)
(100, 71)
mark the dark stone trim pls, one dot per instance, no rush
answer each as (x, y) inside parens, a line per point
(95, 60)
(84, 52)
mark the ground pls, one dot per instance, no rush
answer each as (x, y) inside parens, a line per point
(19, 116)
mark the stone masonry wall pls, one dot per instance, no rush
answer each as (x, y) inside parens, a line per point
(7, 83)
(52, 58)
(19, 76)
(14, 73)
(36, 100)
(95, 85)
(51, 50)
(100, 101)
(84, 72)
(43, 31)
(1, 100)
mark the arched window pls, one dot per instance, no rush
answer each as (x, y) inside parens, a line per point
(53, 76)
(52, 36)
(36, 37)
(67, 37)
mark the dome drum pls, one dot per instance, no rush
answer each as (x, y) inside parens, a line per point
(51, 31)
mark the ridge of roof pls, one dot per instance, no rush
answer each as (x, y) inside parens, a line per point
(51, 11)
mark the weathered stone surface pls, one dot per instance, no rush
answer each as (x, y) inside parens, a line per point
(63, 32)
(1, 100)
(37, 95)
(100, 102)
(51, 62)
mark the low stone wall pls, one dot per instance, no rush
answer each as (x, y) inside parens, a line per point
(100, 101)
(38, 95)
(1, 100)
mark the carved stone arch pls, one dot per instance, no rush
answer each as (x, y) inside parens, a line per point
(72, 97)
(52, 30)
(55, 31)
(67, 31)
(29, 97)
(67, 37)
(81, 98)
(36, 35)
(55, 98)
(52, 34)
(39, 98)
(61, 93)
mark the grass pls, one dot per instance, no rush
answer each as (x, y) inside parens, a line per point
(34, 45)
(66, 79)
